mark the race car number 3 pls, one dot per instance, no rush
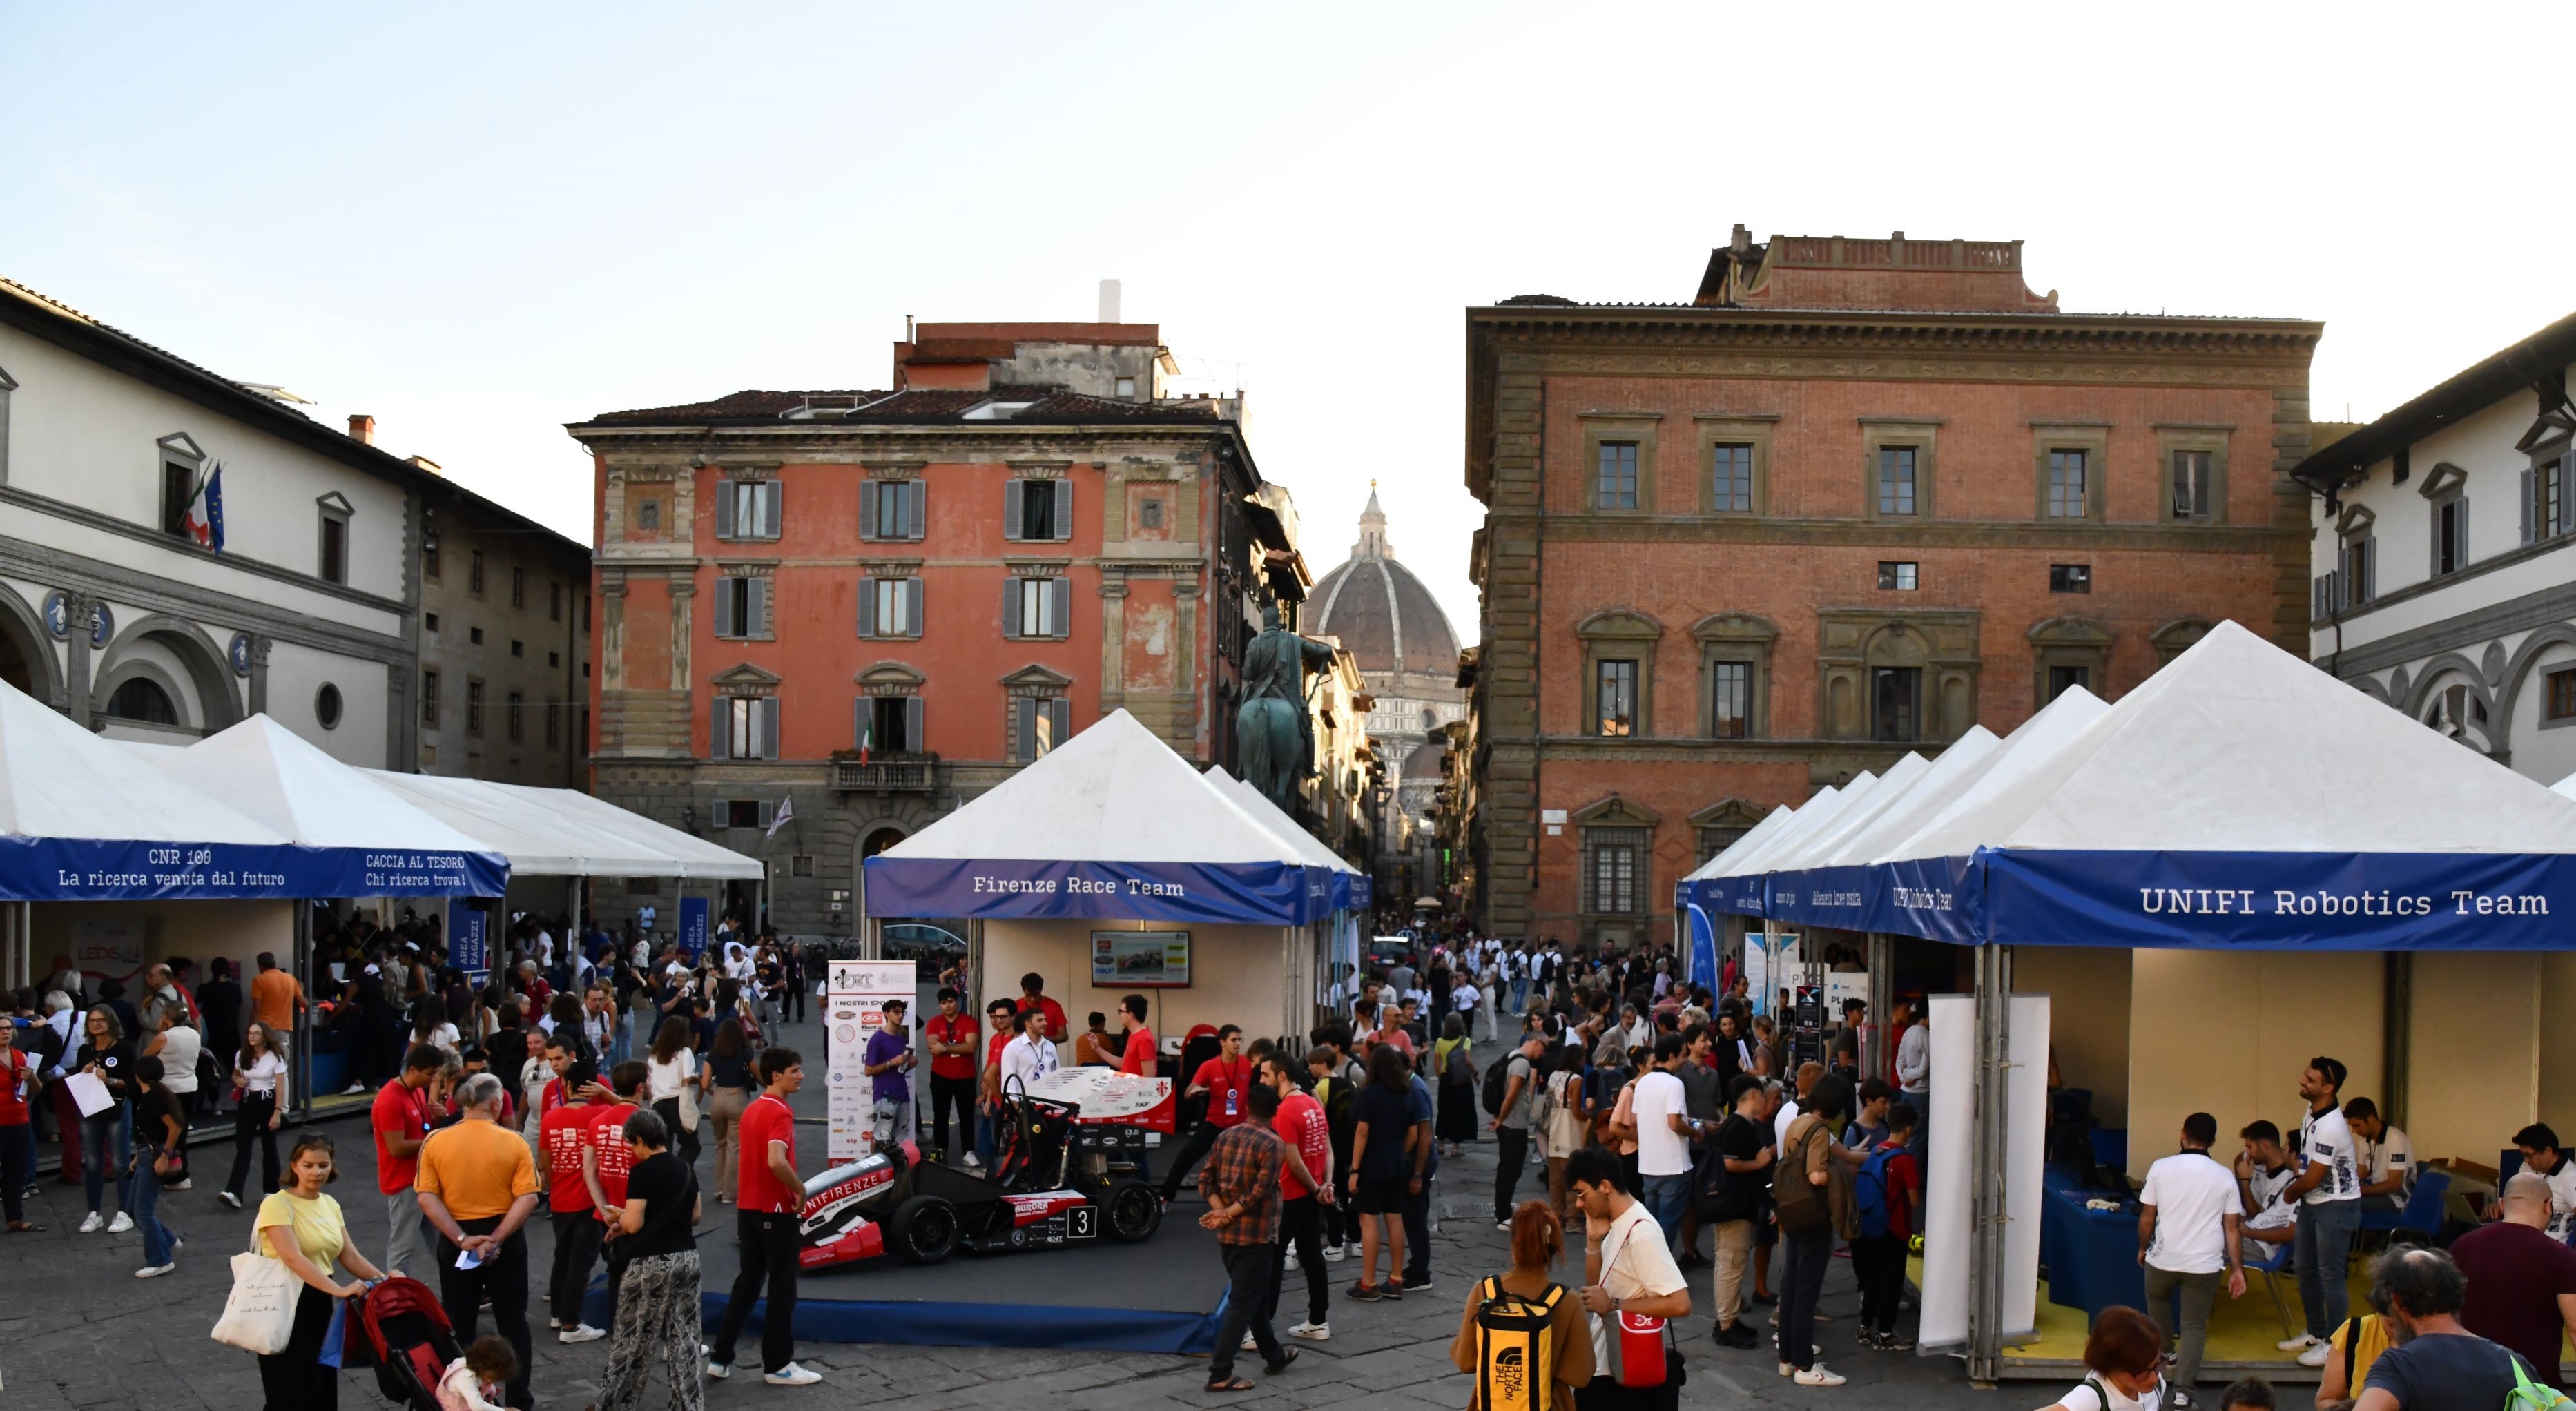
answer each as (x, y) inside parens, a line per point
(1085, 1223)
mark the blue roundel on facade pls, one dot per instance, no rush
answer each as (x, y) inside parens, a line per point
(239, 653)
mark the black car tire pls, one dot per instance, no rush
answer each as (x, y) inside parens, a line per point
(1130, 1211)
(922, 1230)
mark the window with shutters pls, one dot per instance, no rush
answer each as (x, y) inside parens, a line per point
(1038, 724)
(2358, 566)
(745, 813)
(518, 587)
(742, 607)
(473, 706)
(888, 725)
(892, 509)
(474, 573)
(1614, 871)
(2548, 506)
(747, 509)
(1037, 510)
(517, 717)
(1037, 608)
(332, 558)
(554, 724)
(2450, 534)
(889, 607)
(2562, 694)
(746, 727)
(429, 699)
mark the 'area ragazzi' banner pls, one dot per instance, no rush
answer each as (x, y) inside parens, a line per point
(73, 869)
(854, 997)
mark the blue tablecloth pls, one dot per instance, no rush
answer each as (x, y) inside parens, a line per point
(2092, 1255)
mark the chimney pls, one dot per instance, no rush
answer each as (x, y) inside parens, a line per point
(1109, 301)
(362, 428)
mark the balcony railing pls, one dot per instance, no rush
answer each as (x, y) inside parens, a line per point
(887, 774)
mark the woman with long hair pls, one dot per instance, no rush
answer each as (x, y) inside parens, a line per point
(672, 1068)
(105, 1055)
(1569, 1127)
(315, 1241)
(727, 1087)
(429, 1024)
(259, 1072)
(1538, 1241)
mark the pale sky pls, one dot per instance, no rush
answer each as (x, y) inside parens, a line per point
(479, 222)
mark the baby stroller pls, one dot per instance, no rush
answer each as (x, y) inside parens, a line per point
(412, 1341)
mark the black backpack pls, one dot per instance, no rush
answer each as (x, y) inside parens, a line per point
(1497, 1083)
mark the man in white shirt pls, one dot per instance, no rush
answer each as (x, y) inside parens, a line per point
(2187, 1237)
(1664, 1136)
(2328, 1190)
(1627, 1268)
(2542, 1155)
(2263, 1174)
(1914, 1061)
(2384, 1156)
(1784, 1114)
(1030, 1056)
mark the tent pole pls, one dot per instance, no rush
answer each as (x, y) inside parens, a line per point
(1882, 1005)
(1990, 1129)
(301, 1058)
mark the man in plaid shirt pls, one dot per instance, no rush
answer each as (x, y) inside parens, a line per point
(1241, 1183)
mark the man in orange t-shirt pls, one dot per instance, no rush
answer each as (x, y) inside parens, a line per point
(275, 996)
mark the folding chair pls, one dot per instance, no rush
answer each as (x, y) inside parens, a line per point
(2277, 1262)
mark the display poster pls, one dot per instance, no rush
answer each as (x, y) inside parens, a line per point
(1841, 985)
(107, 945)
(1761, 965)
(693, 928)
(1140, 960)
(468, 940)
(854, 998)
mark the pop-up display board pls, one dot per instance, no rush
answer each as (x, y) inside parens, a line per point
(854, 998)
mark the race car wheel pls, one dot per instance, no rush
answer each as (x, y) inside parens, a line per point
(923, 1230)
(1130, 1211)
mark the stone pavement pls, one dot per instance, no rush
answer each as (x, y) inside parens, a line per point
(78, 1330)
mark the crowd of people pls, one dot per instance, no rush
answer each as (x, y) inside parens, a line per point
(575, 1077)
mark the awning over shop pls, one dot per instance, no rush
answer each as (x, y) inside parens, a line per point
(277, 778)
(83, 818)
(1111, 824)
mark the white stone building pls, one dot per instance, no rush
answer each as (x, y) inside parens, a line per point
(2445, 556)
(112, 613)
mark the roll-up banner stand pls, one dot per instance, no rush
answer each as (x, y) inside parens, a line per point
(854, 998)
(1948, 1192)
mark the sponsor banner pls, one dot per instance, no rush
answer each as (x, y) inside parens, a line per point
(1270, 893)
(72, 869)
(693, 928)
(854, 997)
(1834, 897)
(1733, 896)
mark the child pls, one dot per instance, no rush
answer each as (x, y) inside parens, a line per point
(1879, 1260)
(475, 1378)
(2251, 1394)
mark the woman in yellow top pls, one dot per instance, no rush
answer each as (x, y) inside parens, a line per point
(317, 1242)
(2349, 1354)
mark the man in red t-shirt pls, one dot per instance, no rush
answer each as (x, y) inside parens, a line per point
(1224, 1079)
(400, 1118)
(988, 1076)
(1033, 996)
(18, 1081)
(605, 1160)
(1139, 1058)
(576, 1214)
(773, 1199)
(951, 1035)
(1305, 1187)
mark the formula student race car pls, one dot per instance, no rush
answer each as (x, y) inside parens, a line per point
(1051, 1183)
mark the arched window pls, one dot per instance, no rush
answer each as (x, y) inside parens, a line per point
(141, 698)
(2455, 710)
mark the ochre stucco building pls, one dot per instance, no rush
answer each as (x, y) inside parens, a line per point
(1852, 498)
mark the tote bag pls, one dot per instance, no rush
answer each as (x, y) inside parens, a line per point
(259, 1314)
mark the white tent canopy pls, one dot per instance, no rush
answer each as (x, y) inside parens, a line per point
(1753, 839)
(556, 832)
(58, 780)
(2236, 746)
(2012, 757)
(275, 776)
(1116, 792)
(1814, 846)
(1853, 839)
(1252, 801)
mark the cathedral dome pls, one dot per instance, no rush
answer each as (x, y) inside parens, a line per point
(1379, 610)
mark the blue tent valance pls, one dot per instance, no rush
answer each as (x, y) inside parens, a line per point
(74, 869)
(1262, 893)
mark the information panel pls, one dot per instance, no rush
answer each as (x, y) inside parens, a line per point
(854, 998)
